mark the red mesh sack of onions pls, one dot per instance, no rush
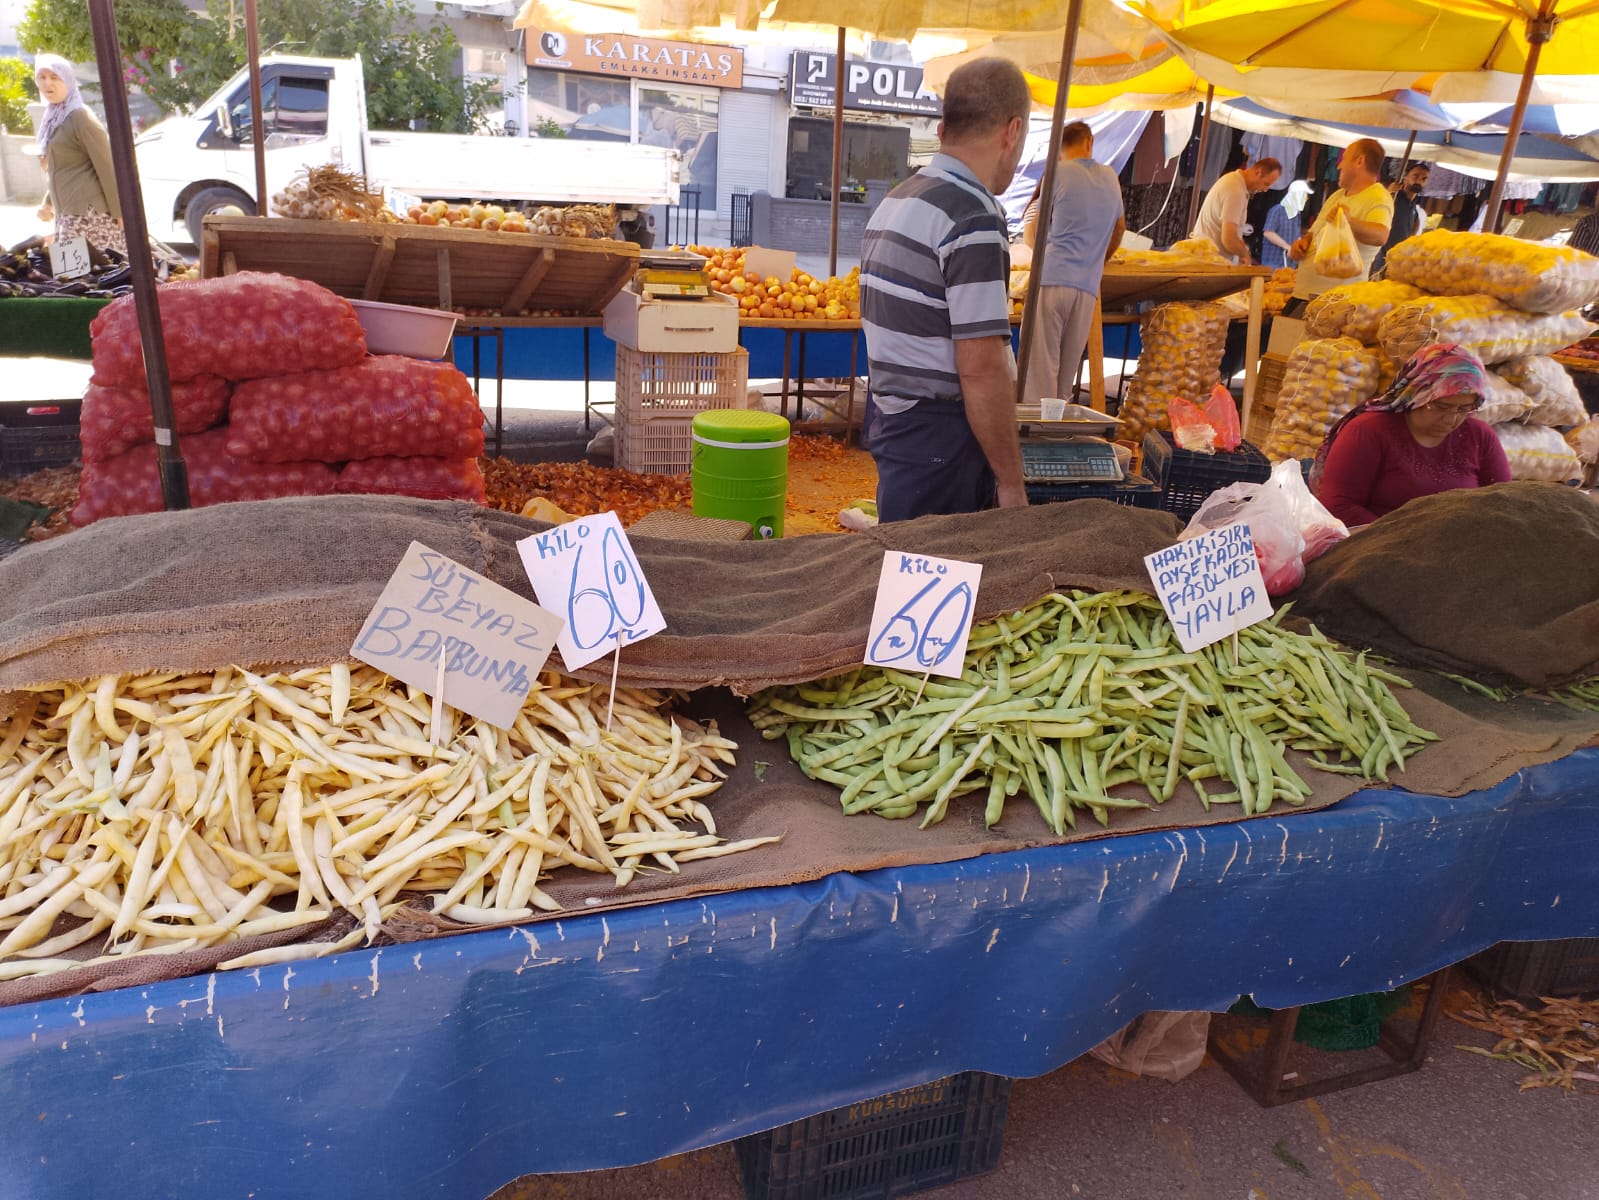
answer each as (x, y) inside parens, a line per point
(115, 420)
(242, 326)
(131, 483)
(386, 406)
(429, 478)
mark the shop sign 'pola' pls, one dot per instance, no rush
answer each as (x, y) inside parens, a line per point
(641, 57)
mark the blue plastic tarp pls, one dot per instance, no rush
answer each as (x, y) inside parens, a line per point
(447, 1068)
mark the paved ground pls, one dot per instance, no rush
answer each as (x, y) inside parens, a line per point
(1457, 1130)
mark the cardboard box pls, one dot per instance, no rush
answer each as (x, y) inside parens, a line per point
(1286, 333)
(705, 326)
(767, 263)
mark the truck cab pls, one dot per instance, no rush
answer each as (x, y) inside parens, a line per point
(313, 112)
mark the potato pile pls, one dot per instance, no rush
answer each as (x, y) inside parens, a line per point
(1504, 401)
(1538, 452)
(1552, 397)
(1356, 309)
(1524, 275)
(1495, 331)
(1325, 378)
(1183, 345)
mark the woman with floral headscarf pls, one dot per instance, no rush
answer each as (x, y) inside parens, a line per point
(77, 153)
(1415, 439)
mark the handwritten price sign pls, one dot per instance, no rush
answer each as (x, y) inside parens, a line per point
(438, 620)
(1210, 585)
(923, 613)
(586, 572)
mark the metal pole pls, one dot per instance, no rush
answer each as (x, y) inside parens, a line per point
(838, 153)
(1199, 165)
(119, 124)
(1539, 30)
(1046, 192)
(1404, 163)
(252, 42)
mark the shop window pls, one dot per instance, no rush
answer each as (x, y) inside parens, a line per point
(684, 119)
(871, 151)
(565, 104)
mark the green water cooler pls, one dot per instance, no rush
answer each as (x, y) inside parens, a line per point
(740, 467)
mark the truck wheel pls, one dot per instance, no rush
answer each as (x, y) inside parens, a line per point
(214, 200)
(638, 232)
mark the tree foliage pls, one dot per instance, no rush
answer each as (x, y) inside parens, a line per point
(16, 90)
(179, 59)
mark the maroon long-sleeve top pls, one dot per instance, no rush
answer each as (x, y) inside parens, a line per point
(1375, 465)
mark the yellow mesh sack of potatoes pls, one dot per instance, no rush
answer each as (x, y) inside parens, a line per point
(1525, 275)
(1356, 309)
(1324, 379)
(1481, 323)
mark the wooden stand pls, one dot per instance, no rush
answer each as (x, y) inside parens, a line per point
(1263, 1078)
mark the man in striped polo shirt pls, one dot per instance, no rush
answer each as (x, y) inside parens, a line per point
(935, 267)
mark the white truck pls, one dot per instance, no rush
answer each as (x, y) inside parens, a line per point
(314, 112)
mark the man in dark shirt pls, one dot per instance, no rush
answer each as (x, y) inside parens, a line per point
(1407, 212)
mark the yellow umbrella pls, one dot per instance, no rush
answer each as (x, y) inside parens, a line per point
(1474, 46)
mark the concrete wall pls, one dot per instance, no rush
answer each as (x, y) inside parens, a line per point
(21, 176)
(804, 225)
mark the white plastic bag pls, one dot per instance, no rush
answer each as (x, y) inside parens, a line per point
(1290, 527)
(1161, 1045)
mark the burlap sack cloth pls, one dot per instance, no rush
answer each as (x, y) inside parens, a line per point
(291, 581)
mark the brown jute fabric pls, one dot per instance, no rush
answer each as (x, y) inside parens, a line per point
(281, 582)
(1500, 584)
(291, 581)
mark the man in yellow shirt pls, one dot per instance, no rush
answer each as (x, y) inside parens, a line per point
(1368, 208)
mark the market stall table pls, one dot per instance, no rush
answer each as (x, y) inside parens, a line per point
(449, 1067)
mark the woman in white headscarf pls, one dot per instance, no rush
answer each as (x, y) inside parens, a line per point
(1282, 224)
(77, 153)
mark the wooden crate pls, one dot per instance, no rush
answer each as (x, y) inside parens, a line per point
(429, 266)
(1269, 381)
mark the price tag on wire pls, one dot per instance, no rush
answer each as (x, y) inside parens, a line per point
(1210, 585)
(458, 636)
(69, 258)
(587, 573)
(923, 614)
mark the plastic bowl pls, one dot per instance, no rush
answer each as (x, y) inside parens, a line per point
(402, 329)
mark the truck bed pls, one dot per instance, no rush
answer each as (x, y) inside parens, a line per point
(552, 170)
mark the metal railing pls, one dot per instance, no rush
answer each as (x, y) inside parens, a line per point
(741, 232)
(683, 218)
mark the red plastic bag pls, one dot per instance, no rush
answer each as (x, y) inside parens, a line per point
(115, 420)
(131, 483)
(1289, 525)
(242, 326)
(1222, 413)
(429, 478)
(387, 406)
(1190, 428)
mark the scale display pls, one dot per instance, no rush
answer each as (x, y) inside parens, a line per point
(1085, 461)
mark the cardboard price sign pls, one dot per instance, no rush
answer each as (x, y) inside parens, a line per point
(70, 259)
(493, 643)
(923, 615)
(586, 571)
(1210, 585)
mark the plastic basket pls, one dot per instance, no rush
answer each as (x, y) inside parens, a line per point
(1567, 970)
(655, 445)
(654, 383)
(1185, 478)
(921, 1137)
(1132, 490)
(1269, 380)
(36, 436)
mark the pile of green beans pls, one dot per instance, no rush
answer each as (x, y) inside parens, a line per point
(1083, 693)
(1582, 695)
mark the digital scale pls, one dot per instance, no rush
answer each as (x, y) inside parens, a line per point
(1073, 449)
(672, 275)
(1070, 460)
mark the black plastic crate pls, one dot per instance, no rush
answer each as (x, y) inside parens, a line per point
(1132, 490)
(1185, 477)
(919, 1138)
(36, 436)
(1565, 970)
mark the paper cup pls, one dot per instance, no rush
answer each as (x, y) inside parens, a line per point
(1052, 408)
